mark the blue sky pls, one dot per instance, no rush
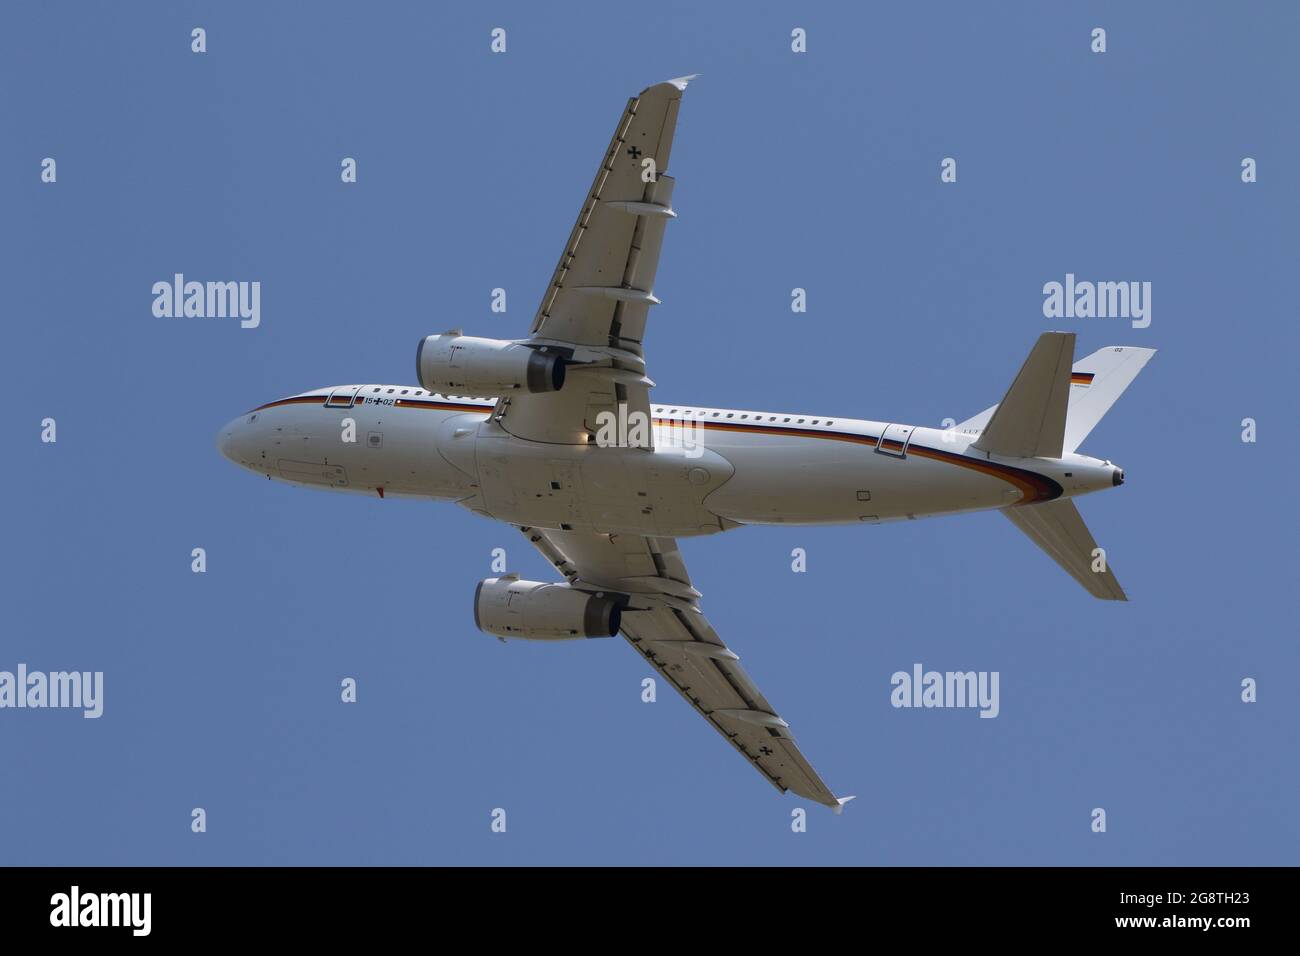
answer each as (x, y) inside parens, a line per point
(819, 171)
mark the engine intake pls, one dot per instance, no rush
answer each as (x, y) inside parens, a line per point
(533, 611)
(485, 368)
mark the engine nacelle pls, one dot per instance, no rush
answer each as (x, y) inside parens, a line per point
(486, 368)
(533, 611)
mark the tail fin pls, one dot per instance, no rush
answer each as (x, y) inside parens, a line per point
(1096, 382)
(1058, 528)
(1033, 405)
(1030, 421)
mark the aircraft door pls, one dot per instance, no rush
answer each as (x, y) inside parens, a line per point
(342, 397)
(893, 441)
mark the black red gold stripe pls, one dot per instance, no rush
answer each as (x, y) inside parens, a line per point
(1081, 378)
(360, 400)
(1033, 486)
(298, 400)
(438, 406)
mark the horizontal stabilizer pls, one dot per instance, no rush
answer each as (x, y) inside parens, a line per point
(1029, 422)
(1058, 528)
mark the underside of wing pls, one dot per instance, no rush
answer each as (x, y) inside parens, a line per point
(602, 288)
(595, 307)
(663, 624)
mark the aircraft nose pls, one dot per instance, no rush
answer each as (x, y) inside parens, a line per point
(233, 441)
(226, 439)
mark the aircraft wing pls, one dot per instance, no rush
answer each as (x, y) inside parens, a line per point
(664, 625)
(595, 307)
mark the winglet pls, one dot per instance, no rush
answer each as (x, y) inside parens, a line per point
(840, 807)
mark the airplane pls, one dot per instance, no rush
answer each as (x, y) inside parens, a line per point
(556, 434)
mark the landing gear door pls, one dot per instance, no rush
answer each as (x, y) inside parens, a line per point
(893, 441)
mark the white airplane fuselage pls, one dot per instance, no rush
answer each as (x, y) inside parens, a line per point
(711, 469)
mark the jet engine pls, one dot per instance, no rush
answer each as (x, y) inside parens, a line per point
(487, 368)
(533, 611)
